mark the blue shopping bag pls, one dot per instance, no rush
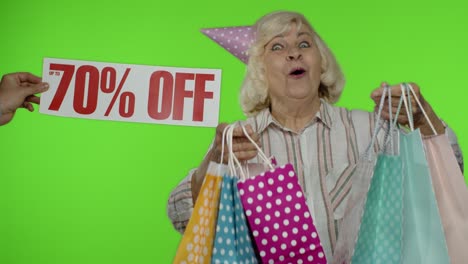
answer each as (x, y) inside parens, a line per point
(423, 235)
(401, 221)
(232, 242)
(379, 238)
(371, 226)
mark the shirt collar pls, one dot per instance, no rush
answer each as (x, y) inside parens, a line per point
(264, 118)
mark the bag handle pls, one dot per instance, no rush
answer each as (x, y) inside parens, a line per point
(220, 164)
(400, 104)
(233, 162)
(410, 91)
(377, 125)
(262, 155)
(223, 138)
(391, 125)
(405, 94)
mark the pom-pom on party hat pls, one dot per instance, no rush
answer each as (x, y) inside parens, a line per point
(236, 40)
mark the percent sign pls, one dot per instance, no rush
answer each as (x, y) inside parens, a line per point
(106, 80)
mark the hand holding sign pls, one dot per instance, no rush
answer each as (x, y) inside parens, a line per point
(133, 93)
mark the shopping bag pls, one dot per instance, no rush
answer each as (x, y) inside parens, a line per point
(197, 241)
(278, 216)
(423, 235)
(232, 242)
(379, 238)
(352, 216)
(412, 230)
(451, 194)
(361, 179)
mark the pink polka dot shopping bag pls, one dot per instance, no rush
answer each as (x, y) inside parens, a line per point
(279, 219)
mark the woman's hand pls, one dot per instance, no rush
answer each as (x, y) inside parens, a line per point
(242, 147)
(17, 90)
(419, 120)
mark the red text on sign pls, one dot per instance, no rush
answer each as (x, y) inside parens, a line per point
(88, 80)
(172, 93)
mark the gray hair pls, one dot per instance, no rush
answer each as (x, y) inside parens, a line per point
(254, 91)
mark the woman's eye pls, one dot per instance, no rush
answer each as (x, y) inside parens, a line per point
(276, 47)
(304, 44)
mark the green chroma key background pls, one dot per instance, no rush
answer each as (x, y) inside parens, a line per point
(90, 191)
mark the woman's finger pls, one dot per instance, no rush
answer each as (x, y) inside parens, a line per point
(28, 106)
(33, 99)
(245, 155)
(239, 131)
(28, 77)
(243, 146)
(219, 133)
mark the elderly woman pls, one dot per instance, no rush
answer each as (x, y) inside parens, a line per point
(291, 83)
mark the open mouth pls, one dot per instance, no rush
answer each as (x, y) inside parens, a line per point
(297, 72)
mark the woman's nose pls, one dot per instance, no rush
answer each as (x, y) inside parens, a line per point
(293, 54)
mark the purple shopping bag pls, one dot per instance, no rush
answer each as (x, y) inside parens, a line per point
(279, 218)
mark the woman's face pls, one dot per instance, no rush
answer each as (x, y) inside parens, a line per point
(293, 66)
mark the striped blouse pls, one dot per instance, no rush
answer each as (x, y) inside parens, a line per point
(324, 155)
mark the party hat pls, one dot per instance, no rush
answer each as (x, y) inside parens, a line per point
(236, 40)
